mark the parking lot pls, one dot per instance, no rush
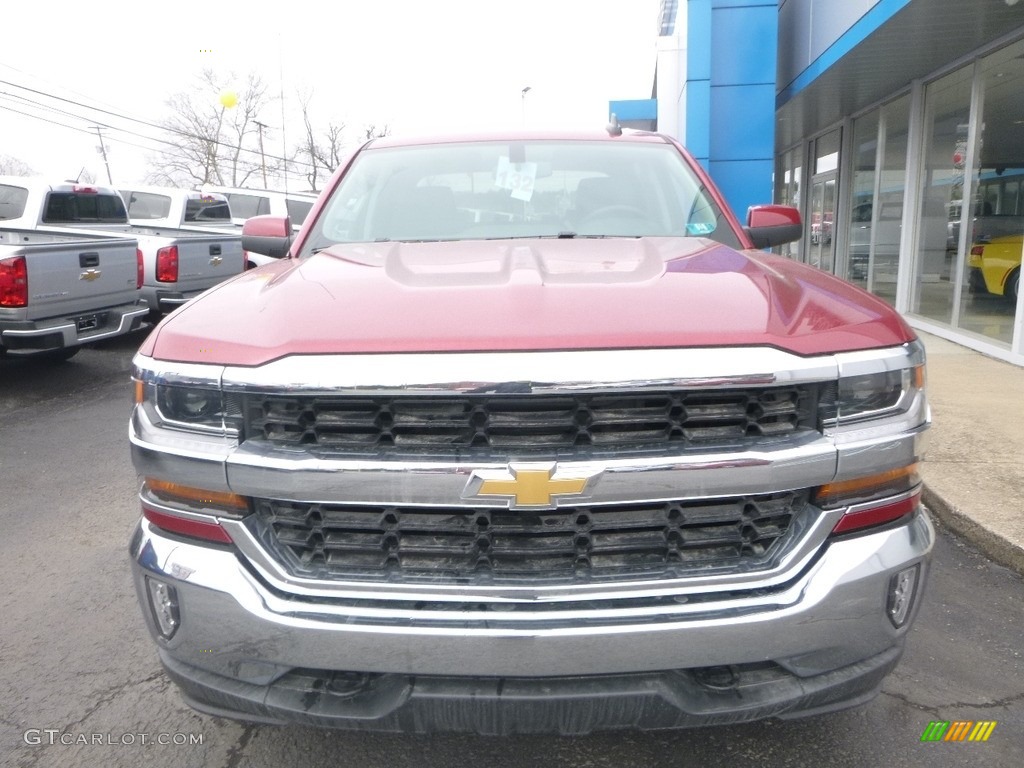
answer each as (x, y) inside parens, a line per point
(81, 684)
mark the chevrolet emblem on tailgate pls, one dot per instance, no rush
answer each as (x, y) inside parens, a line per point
(90, 275)
(528, 485)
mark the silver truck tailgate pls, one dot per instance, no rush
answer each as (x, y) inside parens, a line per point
(71, 274)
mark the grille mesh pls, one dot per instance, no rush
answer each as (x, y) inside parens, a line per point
(529, 424)
(577, 543)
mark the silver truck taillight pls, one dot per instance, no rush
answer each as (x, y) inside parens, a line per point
(13, 282)
(140, 268)
(167, 264)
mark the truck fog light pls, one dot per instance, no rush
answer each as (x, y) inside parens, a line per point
(902, 591)
(163, 601)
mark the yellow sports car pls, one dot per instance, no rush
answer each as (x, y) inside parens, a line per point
(995, 266)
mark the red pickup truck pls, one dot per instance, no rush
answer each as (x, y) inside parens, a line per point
(524, 434)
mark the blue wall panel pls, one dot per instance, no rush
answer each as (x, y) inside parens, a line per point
(635, 109)
(698, 40)
(730, 95)
(744, 183)
(698, 125)
(743, 45)
(742, 120)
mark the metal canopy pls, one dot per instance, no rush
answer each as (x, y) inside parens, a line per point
(920, 39)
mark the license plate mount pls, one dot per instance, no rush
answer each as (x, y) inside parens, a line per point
(87, 323)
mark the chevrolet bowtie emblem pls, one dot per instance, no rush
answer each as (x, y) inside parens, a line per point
(216, 260)
(89, 275)
(528, 485)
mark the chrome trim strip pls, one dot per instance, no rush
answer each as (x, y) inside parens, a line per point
(66, 330)
(533, 372)
(879, 453)
(178, 456)
(293, 474)
(868, 361)
(153, 371)
(789, 564)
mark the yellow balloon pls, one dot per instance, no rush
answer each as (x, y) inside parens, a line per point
(229, 99)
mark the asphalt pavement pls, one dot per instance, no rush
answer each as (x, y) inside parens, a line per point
(974, 466)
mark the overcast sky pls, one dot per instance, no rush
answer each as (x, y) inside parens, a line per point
(415, 65)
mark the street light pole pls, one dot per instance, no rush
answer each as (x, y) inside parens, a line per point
(525, 90)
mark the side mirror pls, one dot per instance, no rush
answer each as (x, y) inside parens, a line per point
(268, 235)
(771, 225)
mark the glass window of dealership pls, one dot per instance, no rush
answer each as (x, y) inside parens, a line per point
(920, 199)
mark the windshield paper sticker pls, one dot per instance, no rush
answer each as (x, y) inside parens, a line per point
(699, 228)
(517, 177)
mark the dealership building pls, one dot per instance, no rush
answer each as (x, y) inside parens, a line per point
(896, 127)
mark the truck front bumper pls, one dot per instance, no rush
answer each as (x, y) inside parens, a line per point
(243, 647)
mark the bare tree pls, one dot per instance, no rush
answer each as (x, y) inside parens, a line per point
(321, 153)
(212, 142)
(13, 166)
(372, 132)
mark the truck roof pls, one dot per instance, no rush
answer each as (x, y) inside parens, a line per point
(520, 135)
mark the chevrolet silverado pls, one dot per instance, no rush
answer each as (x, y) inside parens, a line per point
(527, 433)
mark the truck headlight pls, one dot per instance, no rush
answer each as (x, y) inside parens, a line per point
(193, 407)
(873, 387)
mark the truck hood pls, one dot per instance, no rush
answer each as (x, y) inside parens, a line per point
(529, 294)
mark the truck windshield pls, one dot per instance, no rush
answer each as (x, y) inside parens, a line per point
(523, 189)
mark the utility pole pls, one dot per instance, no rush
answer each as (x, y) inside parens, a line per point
(263, 159)
(103, 151)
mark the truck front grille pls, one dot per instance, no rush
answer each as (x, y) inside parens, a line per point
(574, 544)
(529, 424)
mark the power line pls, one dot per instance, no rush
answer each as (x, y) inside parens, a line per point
(162, 128)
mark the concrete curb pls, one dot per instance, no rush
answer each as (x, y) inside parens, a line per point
(992, 545)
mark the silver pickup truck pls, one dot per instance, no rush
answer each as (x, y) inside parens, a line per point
(224, 210)
(179, 264)
(58, 292)
(186, 209)
(174, 207)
